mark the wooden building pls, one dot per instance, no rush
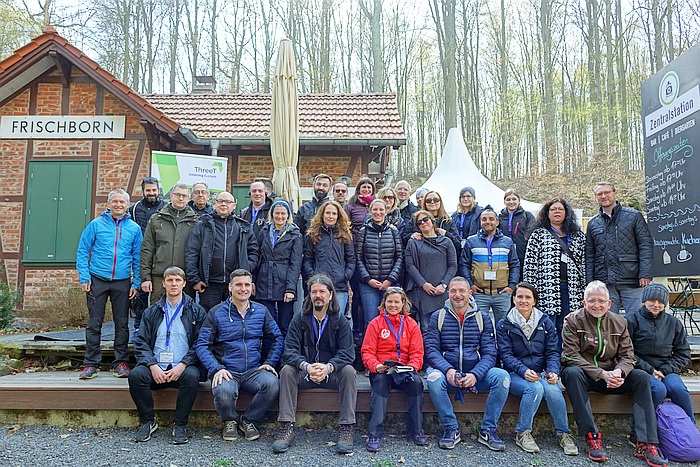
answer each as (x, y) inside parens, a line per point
(70, 133)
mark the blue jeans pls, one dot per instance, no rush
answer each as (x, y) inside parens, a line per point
(342, 298)
(627, 296)
(371, 298)
(497, 383)
(498, 303)
(262, 384)
(531, 395)
(672, 387)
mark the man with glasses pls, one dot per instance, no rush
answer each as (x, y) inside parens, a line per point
(257, 211)
(165, 240)
(200, 199)
(618, 250)
(322, 185)
(340, 193)
(598, 356)
(219, 244)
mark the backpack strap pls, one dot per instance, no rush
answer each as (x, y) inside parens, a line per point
(441, 319)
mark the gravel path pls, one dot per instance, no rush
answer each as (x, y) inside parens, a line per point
(44, 446)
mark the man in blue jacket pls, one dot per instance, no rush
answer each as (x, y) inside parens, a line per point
(229, 348)
(460, 347)
(108, 265)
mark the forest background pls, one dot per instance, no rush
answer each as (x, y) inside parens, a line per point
(546, 92)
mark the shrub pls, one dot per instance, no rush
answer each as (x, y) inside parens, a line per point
(9, 299)
(64, 307)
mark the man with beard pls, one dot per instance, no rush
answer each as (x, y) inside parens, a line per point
(322, 185)
(340, 193)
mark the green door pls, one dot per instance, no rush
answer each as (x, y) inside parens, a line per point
(58, 209)
(241, 193)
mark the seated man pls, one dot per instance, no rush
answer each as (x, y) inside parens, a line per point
(229, 348)
(460, 347)
(598, 356)
(318, 353)
(164, 350)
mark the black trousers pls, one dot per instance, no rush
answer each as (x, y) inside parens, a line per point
(118, 294)
(637, 383)
(141, 384)
(214, 294)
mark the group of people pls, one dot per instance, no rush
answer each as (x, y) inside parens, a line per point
(423, 285)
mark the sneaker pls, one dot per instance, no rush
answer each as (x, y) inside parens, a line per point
(526, 441)
(594, 447)
(345, 439)
(285, 436)
(248, 429)
(650, 453)
(180, 435)
(88, 372)
(420, 439)
(122, 370)
(566, 441)
(490, 439)
(373, 444)
(450, 439)
(145, 431)
(230, 432)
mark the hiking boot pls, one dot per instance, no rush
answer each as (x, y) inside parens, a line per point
(145, 431)
(345, 439)
(566, 441)
(526, 441)
(450, 439)
(490, 439)
(420, 439)
(180, 435)
(650, 453)
(285, 436)
(121, 370)
(373, 444)
(594, 447)
(248, 429)
(230, 432)
(88, 372)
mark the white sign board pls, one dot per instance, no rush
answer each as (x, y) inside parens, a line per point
(171, 168)
(62, 127)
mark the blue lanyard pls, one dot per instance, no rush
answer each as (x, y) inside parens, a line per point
(510, 221)
(254, 212)
(397, 337)
(488, 249)
(560, 233)
(169, 322)
(318, 334)
(461, 224)
(275, 236)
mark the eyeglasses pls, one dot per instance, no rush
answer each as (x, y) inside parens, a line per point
(432, 200)
(466, 196)
(394, 289)
(179, 195)
(402, 189)
(606, 193)
(420, 222)
(596, 301)
(225, 201)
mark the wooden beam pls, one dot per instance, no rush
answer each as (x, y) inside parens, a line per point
(64, 67)
(135, 168)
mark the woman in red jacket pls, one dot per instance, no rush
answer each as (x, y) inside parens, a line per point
(393, 353)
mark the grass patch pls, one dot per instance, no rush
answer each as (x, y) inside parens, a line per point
(63, 308)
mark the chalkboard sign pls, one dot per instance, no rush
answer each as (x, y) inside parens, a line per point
(670, 105)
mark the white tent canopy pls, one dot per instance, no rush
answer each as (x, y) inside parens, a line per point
(457, 170)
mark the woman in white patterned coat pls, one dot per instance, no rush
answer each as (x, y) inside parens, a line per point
(554, 261)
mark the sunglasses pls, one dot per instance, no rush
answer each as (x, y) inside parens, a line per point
(341, 191)
(389, 197)
(420, 222)
(150, 180)
(432, 200)
(394, 289)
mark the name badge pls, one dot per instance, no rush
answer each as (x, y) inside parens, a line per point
(564, 258)
(166, 357)
(490, 275)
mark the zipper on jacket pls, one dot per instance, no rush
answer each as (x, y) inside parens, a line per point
(117, 234)
(600, 344)
(245, 346)
(223, 263)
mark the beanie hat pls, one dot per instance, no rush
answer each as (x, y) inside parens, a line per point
(284, 204)
(655, 292)
(421, 191)
(469, 189)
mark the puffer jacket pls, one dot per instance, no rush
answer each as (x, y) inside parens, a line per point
(519, 354)
(460, 345)
(504, 261)
(192, 317)
(330, 257)
(517, 229)
(110, 249)
(306, 212)
(280, 265)
(165, 240)
(618, 248)
(379, 252)
(228, 341)
(356, 211)
(660, 343)
(597, 344)
(336, 345)
(469, 223)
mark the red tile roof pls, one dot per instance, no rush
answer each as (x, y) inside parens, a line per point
(323, 116)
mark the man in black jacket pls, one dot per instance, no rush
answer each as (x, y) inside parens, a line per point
(618, 250)
(257, 211)
(218, 245)
(322, 185)
(318, 353)
(165, 351)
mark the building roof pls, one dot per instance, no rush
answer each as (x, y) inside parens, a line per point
(340, 118)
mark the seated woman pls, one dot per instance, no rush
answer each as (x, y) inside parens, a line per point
(661, 348)
(394, 337)
(527, 344)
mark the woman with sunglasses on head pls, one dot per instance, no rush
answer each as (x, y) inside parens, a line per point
(432, 203)
(516, 223)
(431, 263)
(393, 352)
(328, 249)
(393, 213)
(379, 254)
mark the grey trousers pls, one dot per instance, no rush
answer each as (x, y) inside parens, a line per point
(291, 379)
